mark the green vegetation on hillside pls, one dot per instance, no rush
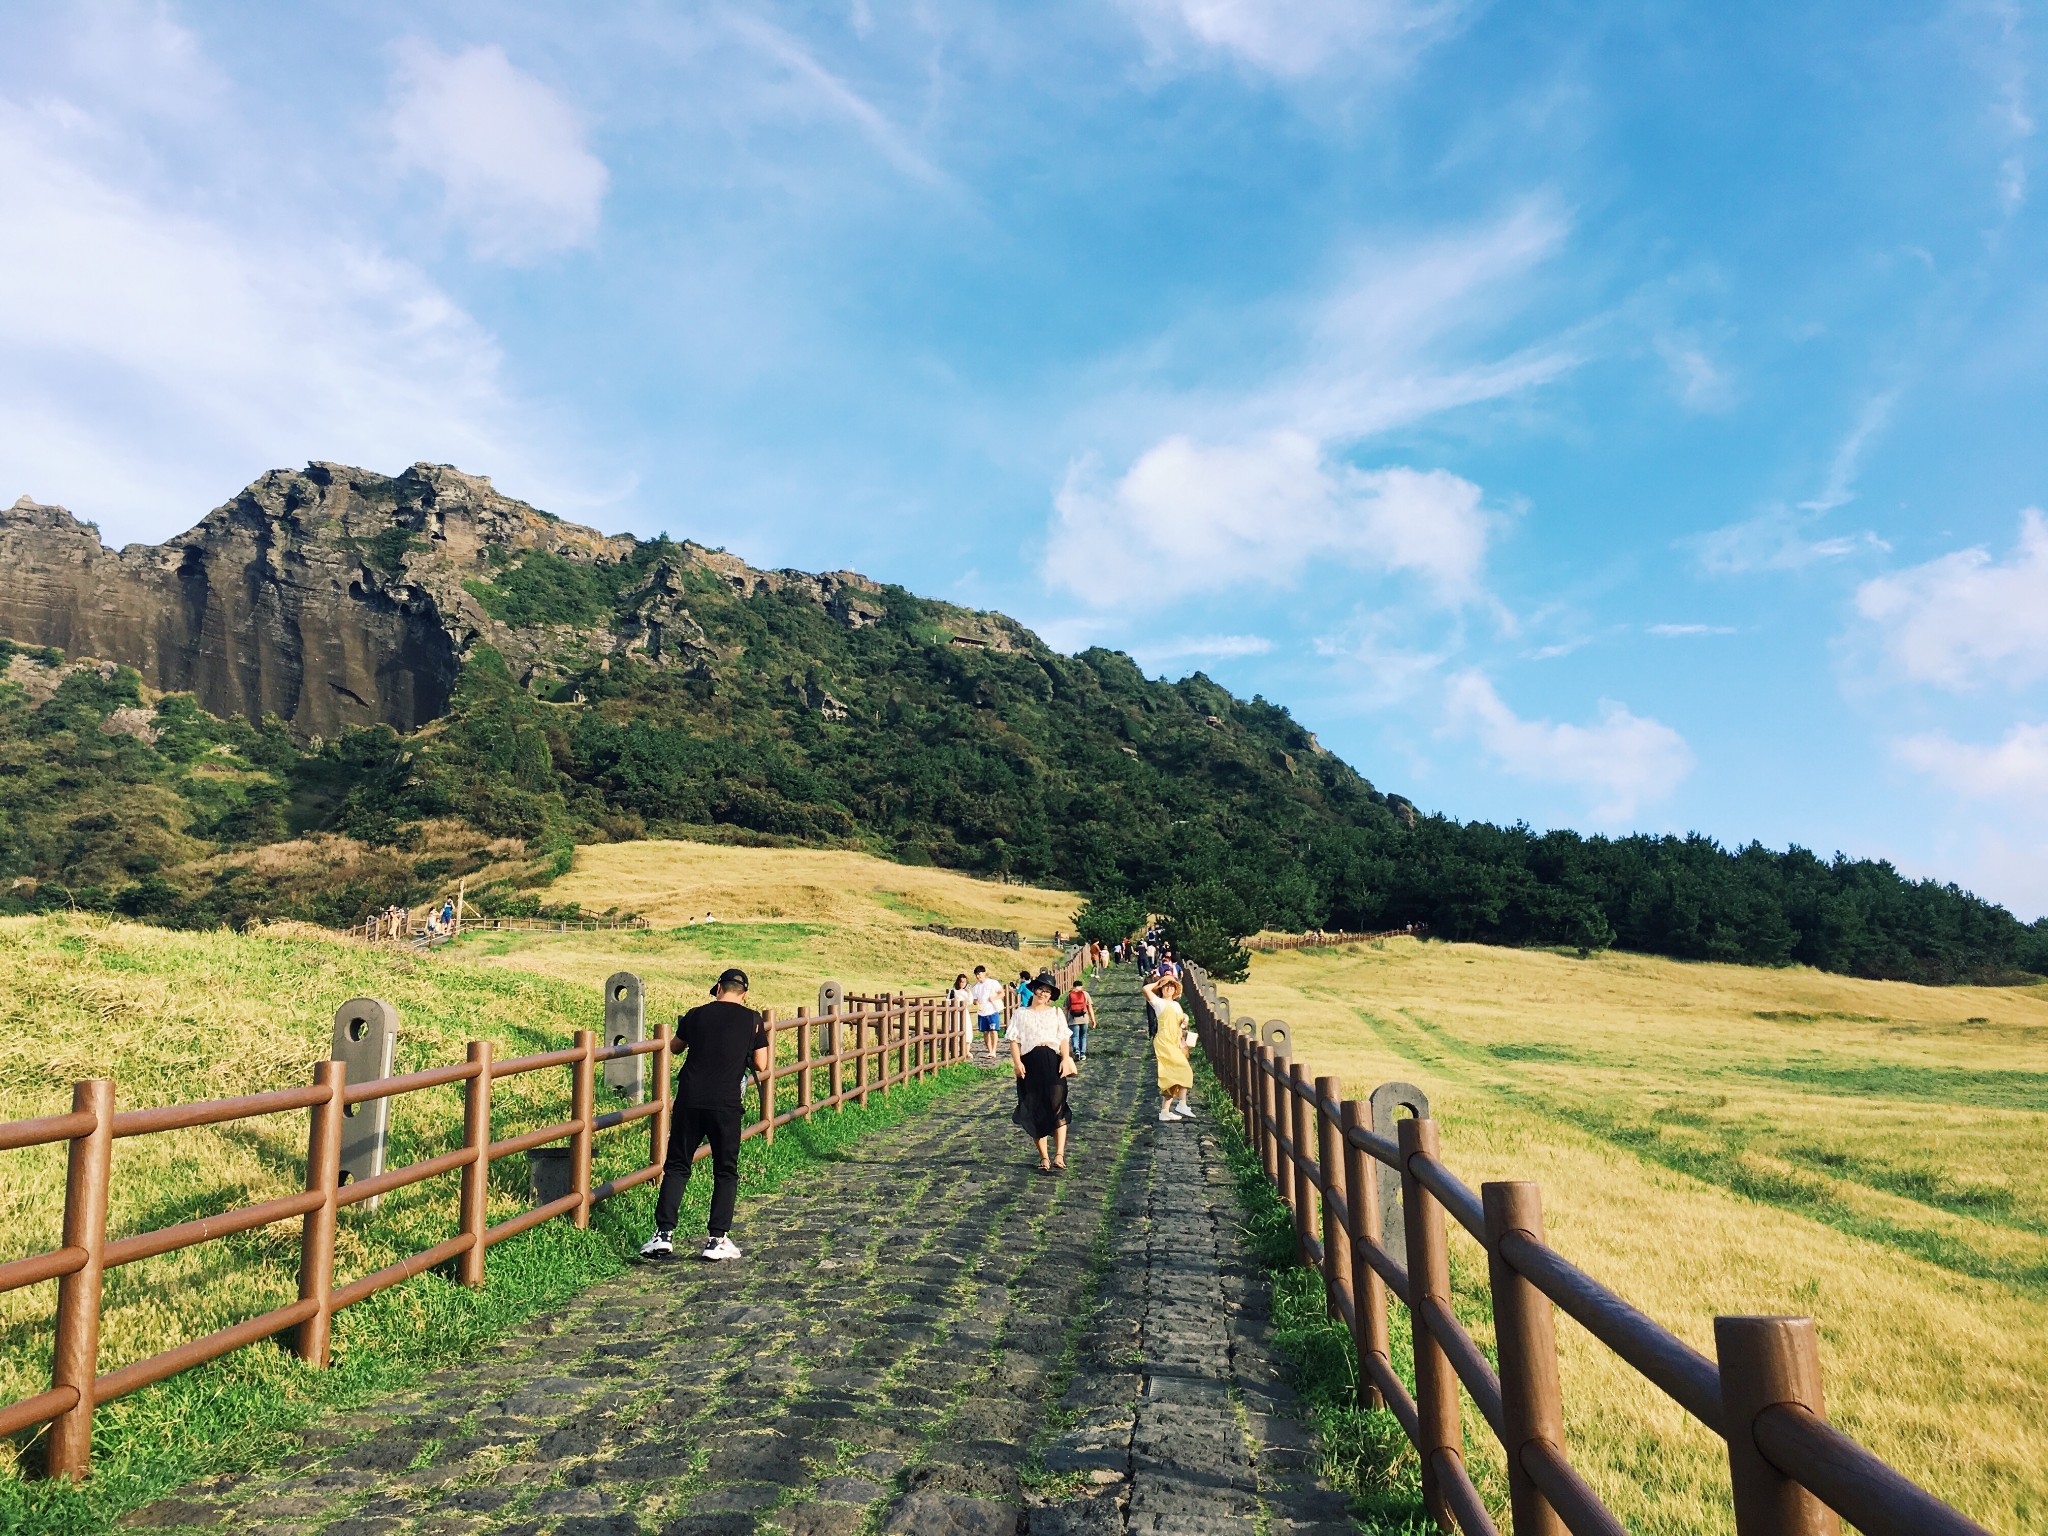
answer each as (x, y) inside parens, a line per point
(923, 733)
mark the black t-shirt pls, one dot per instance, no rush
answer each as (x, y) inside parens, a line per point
(719, 1041)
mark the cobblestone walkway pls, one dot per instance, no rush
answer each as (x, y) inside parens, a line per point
(927, 1338)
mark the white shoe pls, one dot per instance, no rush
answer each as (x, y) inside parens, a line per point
(1182, 1112)
(659, 1247)
(718, 1248)
(1168, 1117)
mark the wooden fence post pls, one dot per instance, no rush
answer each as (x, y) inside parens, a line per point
(1368, 1291)
(1525, 1336)
(476, 1176)
(1268, 1139)
(767, 1081)
(582, 1109)
(1297, 1090)
(88, 1175)
(860, 1053)
(1440, 1430)
(316, 1231)
(835, 1032)
(1337, 1287)
(803, 1061)
(1766, 1361)
(664, 1096)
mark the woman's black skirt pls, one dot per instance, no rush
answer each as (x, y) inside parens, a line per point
(1041, 1094)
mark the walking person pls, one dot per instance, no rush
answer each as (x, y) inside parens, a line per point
(1043, 1061)
(1024, 989)
(1170, 1050)
(987, 993)
(1080, 1018)
(720, 1040)
(959, 996)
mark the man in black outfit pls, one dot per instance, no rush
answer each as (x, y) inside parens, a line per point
(719, 1040)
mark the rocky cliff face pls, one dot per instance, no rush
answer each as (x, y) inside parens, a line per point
(333, 596)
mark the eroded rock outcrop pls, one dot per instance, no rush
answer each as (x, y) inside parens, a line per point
(334, 596)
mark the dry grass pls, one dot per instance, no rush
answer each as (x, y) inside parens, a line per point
(176, 1017)
(1724, 1139)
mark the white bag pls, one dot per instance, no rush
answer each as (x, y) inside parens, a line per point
(1187, 1039)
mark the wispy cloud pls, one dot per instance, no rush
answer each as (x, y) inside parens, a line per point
(1847, 463)
(1777, 540)
(1202, 648)
(1676, 631)
(2015, 768)
(1702, 385)
(837, 98)
(1967, 620)
(510, 153)
(1621, 762)
(1293, 38)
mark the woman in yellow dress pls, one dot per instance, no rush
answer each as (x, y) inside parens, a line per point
(1169, 1047)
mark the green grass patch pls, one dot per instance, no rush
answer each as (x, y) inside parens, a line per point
(241, 1412)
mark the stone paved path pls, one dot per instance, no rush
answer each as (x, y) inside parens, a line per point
(927, 1338)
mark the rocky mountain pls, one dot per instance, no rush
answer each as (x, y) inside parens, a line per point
(334, 597)
(342, 688)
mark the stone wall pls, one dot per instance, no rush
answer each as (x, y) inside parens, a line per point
(998, 938)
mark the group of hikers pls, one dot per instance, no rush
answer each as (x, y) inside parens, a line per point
(724, 1043)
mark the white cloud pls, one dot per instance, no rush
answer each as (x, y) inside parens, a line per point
(509, 152)
(1675, 631)
(2016, 768)
(1777, 541)
(147, 347)
(1293, 37)
(1621, 762)
(1847, 463)
(1203, 647)
(1701, 384)
(1966, 620)
(1269, 509)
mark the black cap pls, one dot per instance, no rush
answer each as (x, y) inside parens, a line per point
(731, 979)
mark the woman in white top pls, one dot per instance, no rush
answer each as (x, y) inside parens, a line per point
(1043, 1060)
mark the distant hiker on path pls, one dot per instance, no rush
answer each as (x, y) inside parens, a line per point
(987, 993)
(960, 995)
(1023, 989)
(1080, 1017)
(1043, 1062)
(720, 1040)
(1169, 1047)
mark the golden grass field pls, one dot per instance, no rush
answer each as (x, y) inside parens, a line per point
(176, 1017)
(1721, 1139)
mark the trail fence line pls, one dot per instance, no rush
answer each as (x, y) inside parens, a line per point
(822, 1060)
(1318, 940)
(409, 929)
(1792, 1473)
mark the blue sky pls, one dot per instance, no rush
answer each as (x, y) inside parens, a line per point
(1621, 416)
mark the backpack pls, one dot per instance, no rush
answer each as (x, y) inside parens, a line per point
(1077, 1002)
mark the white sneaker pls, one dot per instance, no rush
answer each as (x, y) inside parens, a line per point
(659, 1247)
(1168, 1117)
(718, 1248)
(1182, 1112)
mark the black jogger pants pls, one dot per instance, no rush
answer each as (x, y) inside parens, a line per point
(693, 1124)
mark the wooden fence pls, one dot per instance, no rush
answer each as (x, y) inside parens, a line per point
(832, 1059)
(1792, 1473)
(404, 930)
(1318, 940)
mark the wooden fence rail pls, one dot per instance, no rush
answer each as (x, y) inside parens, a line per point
(816, 1062)
(1791, 1472)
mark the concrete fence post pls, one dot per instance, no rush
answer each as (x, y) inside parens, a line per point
(625, 1023)
(366, 1044)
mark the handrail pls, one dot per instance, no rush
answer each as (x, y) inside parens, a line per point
(1791, 1438)
(870, 1050)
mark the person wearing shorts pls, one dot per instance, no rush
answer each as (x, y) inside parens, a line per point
(987, 993)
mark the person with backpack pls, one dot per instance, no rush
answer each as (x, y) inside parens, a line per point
(719, 1040)
(1080, 1018)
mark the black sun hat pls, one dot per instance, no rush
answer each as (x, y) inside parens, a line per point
(1043, 985)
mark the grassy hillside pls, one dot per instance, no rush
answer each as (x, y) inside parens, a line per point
(180, 1016)
(1724, 1139)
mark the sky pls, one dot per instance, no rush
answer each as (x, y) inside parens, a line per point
(1619, 416)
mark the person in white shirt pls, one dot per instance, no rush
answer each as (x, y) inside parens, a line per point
(1043, 1061)
(987, 993)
